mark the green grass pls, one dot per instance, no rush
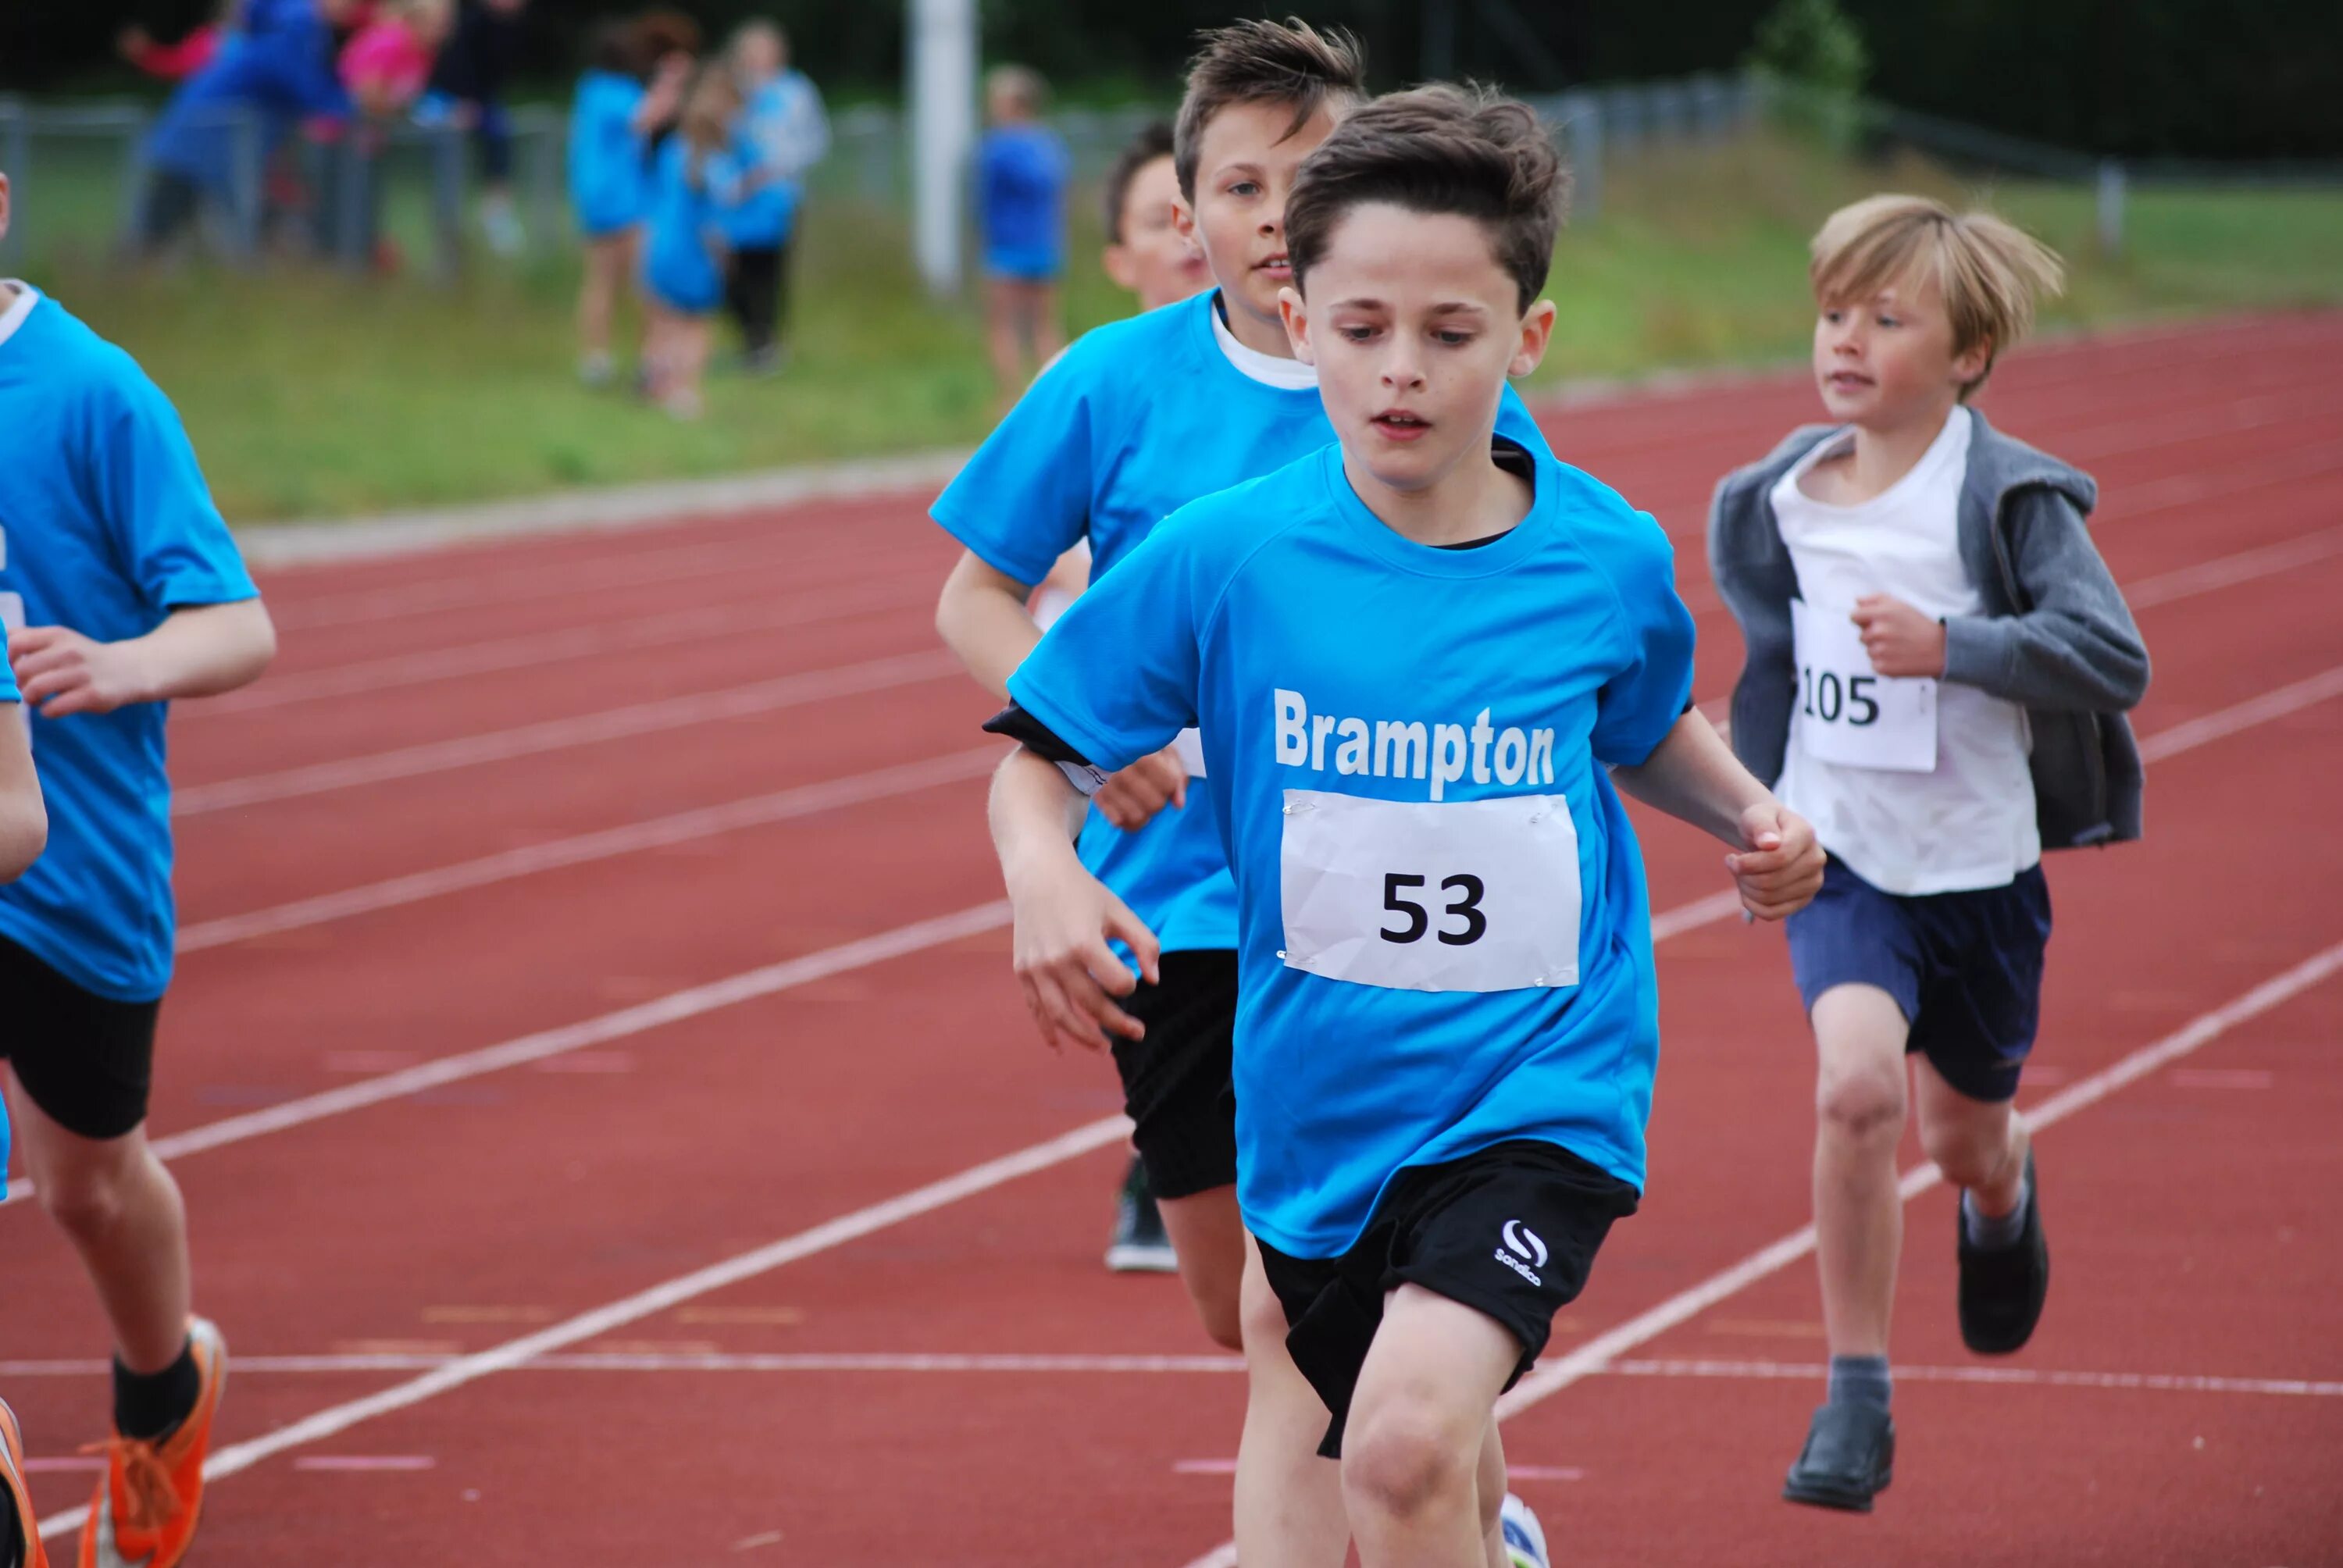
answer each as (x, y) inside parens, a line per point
(313, 394)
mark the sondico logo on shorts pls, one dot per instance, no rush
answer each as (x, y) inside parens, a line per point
(1522, 1253)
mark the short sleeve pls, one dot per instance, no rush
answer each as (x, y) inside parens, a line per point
(1641, 701)
(1116, 676)
(142, 469)
(8, 692)
(1024, 498)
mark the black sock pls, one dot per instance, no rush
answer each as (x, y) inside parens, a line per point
(1860, 1380)
(151, 1405)
(12, 1539)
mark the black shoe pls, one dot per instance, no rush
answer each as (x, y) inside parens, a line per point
(1849, 1457)
(1140, 1245)
(2002, 1289)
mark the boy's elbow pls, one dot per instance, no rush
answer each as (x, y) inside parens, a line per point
(24, 834)
(259, 641)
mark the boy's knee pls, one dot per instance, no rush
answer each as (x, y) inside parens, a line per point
(1223, 1318)
(1402, 1456)
(85, 1198)
(1865, 1106)
(1968, 1155)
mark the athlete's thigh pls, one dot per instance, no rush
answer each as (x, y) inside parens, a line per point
(1434, 1359)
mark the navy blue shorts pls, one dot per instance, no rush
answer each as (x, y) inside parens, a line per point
(1966, 968)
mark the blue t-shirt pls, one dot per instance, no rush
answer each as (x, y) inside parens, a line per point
(767, 146)
(1364, 700)
(1134, 421)
(1130, 424)
(681, 264)
(609, 184)
(1022, 172)
(8, 696)
(109, 526)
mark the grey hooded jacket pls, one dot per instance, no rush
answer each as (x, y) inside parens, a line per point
(2055, 634)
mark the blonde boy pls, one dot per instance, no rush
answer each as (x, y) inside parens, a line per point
(1938, 665)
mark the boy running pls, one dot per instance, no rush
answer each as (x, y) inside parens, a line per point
(121, 590)
(1412, 656)
(1146, 254)
(1938, 663)
(23, 829)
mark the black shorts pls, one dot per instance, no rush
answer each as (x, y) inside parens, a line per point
(85, 1060)
(1510, 1231)
(1175, 1082)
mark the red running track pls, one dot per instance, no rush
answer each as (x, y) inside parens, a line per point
(593, 1060)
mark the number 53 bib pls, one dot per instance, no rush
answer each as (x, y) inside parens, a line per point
(1849, 714)
(1456, 895)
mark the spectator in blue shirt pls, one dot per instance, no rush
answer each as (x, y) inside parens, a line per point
(782, 132)
(1022, 171)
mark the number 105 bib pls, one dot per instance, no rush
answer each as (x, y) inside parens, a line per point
(1455, 895)
(1848, 713)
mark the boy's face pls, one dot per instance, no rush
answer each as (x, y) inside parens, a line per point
(1154, 260)
(4, 207)
(1245, 170)
(1413, 327)
(1889, 360)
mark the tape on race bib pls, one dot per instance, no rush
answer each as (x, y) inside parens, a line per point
(1848, 713)
(1436, 896)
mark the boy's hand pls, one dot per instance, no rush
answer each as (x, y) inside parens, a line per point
(1069, 974)
(1903, 642)
(1130, 799)
(62, 672)
(1782, 869)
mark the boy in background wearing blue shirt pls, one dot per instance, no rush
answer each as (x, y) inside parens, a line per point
(121, 590)
(695, 186)
(23, 829)
(611, 121)
(1938, 664)
(1021, 168)
(1412, 656)
(782, 132)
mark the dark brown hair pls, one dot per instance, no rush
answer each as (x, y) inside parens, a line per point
(1438, 149)
(1263, 62)
(1153, 142)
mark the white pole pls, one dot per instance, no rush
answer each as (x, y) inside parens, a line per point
(943, 133)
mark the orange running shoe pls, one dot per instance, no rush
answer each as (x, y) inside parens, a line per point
(11, 1477)
(145, 1513)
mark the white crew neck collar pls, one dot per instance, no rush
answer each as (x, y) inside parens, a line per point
(18, 308)
(1286, 375)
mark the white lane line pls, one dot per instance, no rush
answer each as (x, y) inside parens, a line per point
(2155, 1383)
(1692, 916)
(673, 1007)
(1601, 1352)
(701, 622)
(917, 1363)
(823, 1237)
(2214, 726)
(2225, 572)
(632, 837)
(559, 734)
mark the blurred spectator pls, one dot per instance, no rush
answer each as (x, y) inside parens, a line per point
(273, 68)
(697, 179)
(782, 132)
(467, 90)
(612, 121)
(1144, 251)
(384, 67)
(1021, 170)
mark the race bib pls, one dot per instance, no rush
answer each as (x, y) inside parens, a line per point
(1849, 714)
(12, 611)
(1442, 896)
(1187, 746)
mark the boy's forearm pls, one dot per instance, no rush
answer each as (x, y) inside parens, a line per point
(204, 650)
(982, 618)
(1035, 814)
(1693, 777)
(23, 819)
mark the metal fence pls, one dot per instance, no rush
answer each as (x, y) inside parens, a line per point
(82, 176)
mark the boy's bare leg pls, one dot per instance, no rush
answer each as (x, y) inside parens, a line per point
(1048, 329)
(1979, 1144)
(1491, 1485)
(1413, 1449)
(597, 295)
(1209, 1236)
(1004, 338)
(123, 1213)
(1289, 1501)
(1859, 1110)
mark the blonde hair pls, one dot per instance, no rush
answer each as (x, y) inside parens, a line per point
(1019, 85)
(1990, 272)
(708, 109)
